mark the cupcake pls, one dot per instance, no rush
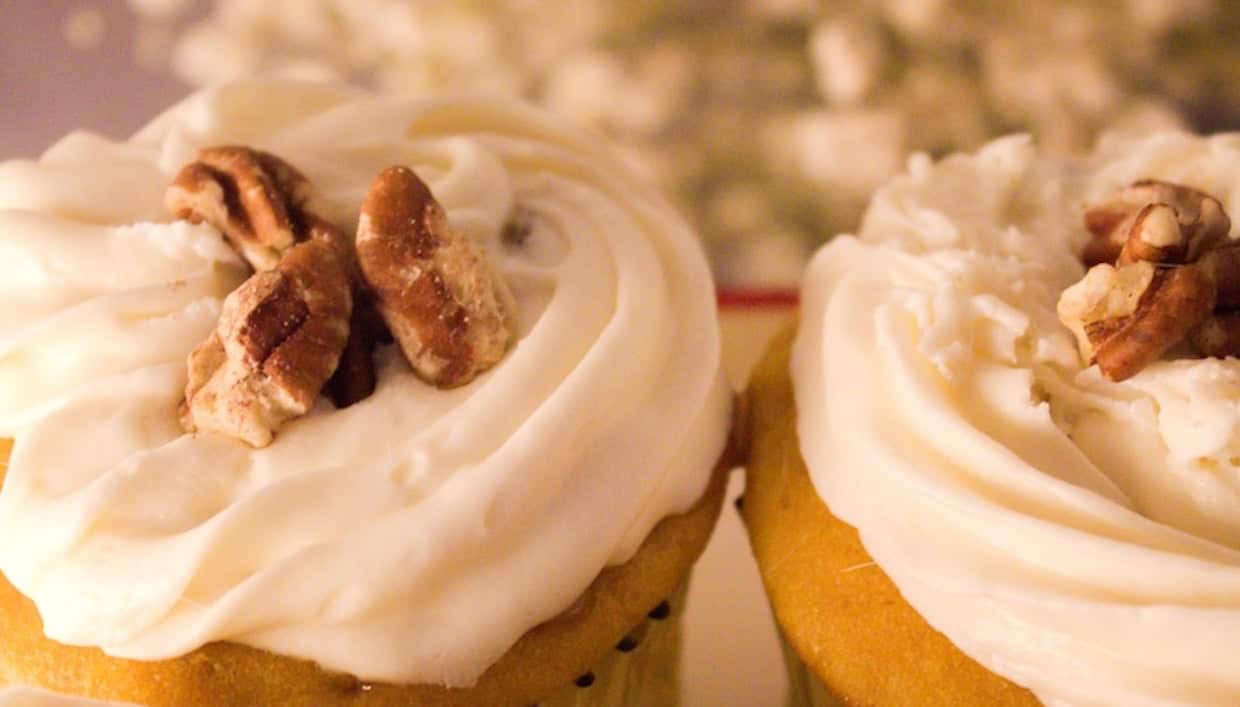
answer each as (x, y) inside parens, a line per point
(317, 397)
(997, 462)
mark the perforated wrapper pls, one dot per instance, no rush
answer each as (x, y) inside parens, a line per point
(643, 669)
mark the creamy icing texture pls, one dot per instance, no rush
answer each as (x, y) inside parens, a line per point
(412, 537)
(1077, 536)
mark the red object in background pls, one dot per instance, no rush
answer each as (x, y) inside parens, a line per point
(741, 298)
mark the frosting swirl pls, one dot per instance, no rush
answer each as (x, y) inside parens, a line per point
(412, 537)
(1078, 536)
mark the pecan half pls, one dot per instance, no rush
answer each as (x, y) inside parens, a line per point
(1125, 318)
(278, 340)
(264, 206)
(445, 306)
(1155, 236)
(1201, 219)
(257, 200)
(1174, 265)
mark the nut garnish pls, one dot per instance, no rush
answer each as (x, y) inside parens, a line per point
(1155, 236)
(281, 335)
(1126, 317)
(264, 206)
(1200, 216)
(278, 340)
(355, 378)
(1223, 266)
(257, 200)
(434, 287)
(1161, 267)
(1219, 336)
(312, 313)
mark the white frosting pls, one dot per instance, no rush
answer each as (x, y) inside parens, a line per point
(412, 537)
(1077, 536)
(31, 697)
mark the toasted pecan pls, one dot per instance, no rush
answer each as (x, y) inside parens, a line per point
(264, 206)
(1203, 223)
(257, 200)
(1177, 300)
(278, 340)
(1176, 274)
(444, 304)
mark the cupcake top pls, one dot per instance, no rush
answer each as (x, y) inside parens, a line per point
(411, 537)
(1073, 529)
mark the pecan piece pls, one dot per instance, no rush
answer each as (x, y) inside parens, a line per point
(1174, 264)
(1223, 266)
(1154, 236)
(1125, 318)
(1218, 336)
(354, 379)
(1202, 221)
(264, 206)
(257, 200)
(278, 340)
(445, 306)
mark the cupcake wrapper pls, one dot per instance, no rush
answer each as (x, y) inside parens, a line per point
(804, 688)
(643, 669)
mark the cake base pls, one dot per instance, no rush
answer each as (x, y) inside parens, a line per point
(548, 665)
(851, 638)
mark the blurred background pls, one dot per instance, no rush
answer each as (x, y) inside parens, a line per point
(769, 121)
